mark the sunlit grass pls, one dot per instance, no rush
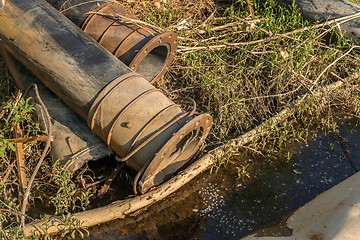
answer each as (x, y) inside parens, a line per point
(355, 1)
(245, 69)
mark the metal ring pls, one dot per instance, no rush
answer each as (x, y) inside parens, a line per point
(148, 124)
(101, 98)
(103, 34)
(109, 134)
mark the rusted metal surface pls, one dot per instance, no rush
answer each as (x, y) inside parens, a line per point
(73, 142)
(145, 50)
(135, 119)
(76, 10)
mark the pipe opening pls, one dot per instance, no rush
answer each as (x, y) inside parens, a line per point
(180, 155)
(176, 153)
(153, 63)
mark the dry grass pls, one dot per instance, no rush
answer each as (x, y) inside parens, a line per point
(244, 69)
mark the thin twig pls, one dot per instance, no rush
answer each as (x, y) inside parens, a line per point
(333, 63)
(221, 27)
(250, 7)
(2, 108)
(9, 208)
(7, 173)
(207, 20)
(42, 157)
(62, 9)
(253, 149)
(95, 183)
(224, 45)
(263, 97)
(272, 37)
(129, 20)
(16, 102)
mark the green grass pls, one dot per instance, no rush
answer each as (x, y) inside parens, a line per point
(355, 1)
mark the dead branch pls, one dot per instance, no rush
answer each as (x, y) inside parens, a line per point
(120, 209)
(334, 62)
(42, 157)
(63, 9)
(336, 21)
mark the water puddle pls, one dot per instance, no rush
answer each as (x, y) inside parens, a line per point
(221, 206)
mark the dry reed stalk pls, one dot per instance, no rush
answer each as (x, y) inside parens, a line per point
(336, 22)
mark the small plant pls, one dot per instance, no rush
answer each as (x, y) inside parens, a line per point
(243, 172)
(5, 145)
(69, 196)
(222, 160)
(53, 185)
(20, 112)
(72, 229)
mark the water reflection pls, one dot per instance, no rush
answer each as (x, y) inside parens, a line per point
(220, 206)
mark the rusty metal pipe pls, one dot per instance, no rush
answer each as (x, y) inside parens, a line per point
(145, 128)
(145, 50)
(76, 10)
(73, 142)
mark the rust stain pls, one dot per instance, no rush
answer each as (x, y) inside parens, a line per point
(316, 237)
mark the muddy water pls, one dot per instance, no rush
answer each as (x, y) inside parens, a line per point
(221, 206)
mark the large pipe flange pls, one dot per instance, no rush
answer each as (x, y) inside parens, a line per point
(176, 153)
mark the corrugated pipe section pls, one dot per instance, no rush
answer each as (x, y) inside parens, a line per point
(141, 47)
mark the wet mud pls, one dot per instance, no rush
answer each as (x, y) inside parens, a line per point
(222, 206)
